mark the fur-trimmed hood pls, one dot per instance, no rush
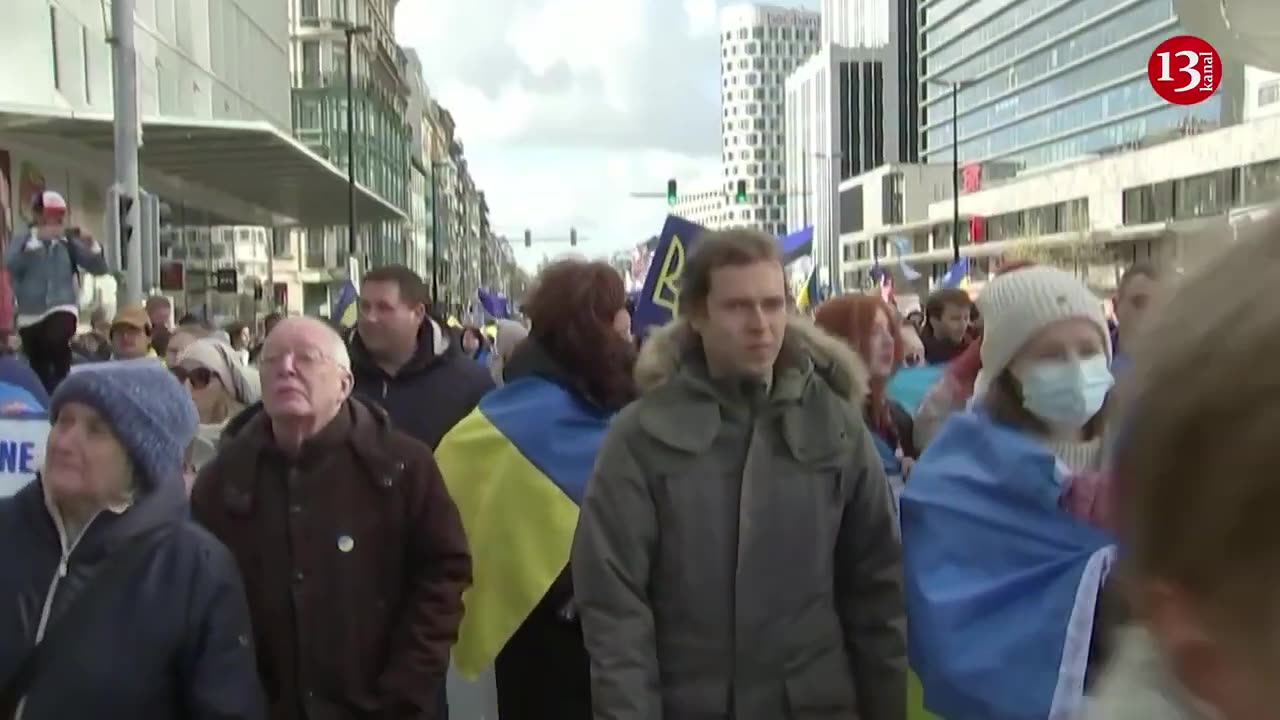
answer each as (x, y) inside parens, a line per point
(837, 363)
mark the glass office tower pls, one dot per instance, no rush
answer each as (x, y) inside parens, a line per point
(1045, 81)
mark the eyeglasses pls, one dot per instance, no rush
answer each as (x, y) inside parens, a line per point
(198, 377)
(303, 359)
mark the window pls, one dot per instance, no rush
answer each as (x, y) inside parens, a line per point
(53, 38)
(1204, 195)
(310, 62)
(1261, 182)
(309, 9)
(1269, 94)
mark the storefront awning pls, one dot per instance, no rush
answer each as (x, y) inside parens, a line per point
(254, 163)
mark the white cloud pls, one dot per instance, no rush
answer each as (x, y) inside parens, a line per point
(566, 107)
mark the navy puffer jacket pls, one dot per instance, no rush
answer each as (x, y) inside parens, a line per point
(172, 641)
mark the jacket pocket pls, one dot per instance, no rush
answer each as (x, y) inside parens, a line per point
(821, 694)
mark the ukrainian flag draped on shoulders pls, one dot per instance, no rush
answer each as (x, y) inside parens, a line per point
(517, 467)
(1001, 584)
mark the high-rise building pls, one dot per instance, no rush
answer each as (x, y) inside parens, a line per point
(894, 25)
(861, 23)
(704, 207)
(841, 109)
(1045, 81)
(760, 46)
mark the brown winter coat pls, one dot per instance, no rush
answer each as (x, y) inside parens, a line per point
(354, 562)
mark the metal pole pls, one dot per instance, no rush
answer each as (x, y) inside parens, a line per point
(837, 276)
(435, 242)
(125, 91)
(955, 172)
(804, 187)
(352, 250)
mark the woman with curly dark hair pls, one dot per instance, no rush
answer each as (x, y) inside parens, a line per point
(517, 468)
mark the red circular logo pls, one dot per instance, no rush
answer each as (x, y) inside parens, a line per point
(1185, 70)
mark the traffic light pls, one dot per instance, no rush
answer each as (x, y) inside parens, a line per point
(671, 192)
(741, 196)
(126, 229)
(573, 237)
(528, 238)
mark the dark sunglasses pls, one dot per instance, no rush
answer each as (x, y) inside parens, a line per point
(198, 377)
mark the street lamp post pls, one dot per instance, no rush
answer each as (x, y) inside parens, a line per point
(350, 32)
(955, 172)
(955, 86)
(435, 239)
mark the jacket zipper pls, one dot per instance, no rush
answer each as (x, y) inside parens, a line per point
(58, 575)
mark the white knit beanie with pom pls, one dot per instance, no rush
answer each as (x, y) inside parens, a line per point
(1020, 303)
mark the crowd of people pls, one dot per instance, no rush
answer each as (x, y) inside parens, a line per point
(731, 518)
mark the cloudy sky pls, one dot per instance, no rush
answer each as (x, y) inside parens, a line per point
(566, 107)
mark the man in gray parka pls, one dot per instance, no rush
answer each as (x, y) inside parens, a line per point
(736, 554)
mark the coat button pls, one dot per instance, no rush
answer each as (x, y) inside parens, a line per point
(387, 481)
(295, 508)
(299, 576)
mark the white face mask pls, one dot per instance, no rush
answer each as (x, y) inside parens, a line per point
(1066, 393)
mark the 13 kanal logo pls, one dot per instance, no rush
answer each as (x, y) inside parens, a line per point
(1185, 70)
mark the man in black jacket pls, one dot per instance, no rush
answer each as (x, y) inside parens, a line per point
(407, 362)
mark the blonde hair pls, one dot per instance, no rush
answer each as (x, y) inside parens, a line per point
(1196, 445)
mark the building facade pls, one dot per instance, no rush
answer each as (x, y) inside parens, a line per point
(199, 64)
(1261, 93)
(381, 135)
(856, 23)
(1045, 81)
(418, 244)
(895, 26)
(759, 46)
(704, 207)
(1173, 203)
(840, 122)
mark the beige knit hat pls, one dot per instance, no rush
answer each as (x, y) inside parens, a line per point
(1019, 303)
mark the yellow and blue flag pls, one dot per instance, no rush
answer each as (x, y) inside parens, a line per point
(810, 294)
(516, 467)
(345, 308)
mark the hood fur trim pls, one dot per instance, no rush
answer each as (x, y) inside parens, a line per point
(835, 361)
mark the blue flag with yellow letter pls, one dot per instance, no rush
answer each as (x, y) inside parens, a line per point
(1001, 584)
(659, 298)
(516, 467)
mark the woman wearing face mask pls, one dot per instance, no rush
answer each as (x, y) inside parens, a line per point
(867, 324)
(1003, 543)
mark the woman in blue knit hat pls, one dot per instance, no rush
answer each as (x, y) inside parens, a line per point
(124, 608)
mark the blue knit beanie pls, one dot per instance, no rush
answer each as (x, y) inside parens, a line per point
(151, 414)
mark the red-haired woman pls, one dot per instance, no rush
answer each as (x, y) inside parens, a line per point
(870, 327)
(517, 467)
